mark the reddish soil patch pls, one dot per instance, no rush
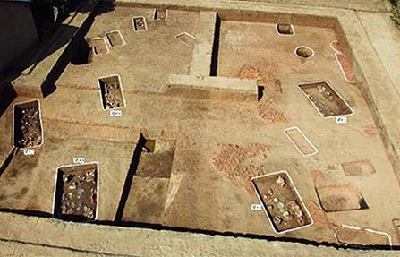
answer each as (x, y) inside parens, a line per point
(370, 130)
(346, 67)
(241, 163)
(266, 78)
(337, 46)
(343, 61)
(270, 112)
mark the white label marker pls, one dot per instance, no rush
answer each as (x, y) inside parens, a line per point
(116, 113)
(256, 207)
(78, 160)
(341, 120)
(28, 152)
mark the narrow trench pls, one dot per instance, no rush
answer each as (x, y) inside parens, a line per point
(215, 49)
(129, 178)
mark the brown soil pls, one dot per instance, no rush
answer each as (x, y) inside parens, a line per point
(77, 196)
(284, 206)
(358, 168)
(159, 162)
(241, 163)
(27, 125)
(111, 92)
(326, 99)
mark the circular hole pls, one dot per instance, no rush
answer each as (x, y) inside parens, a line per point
(304, 52)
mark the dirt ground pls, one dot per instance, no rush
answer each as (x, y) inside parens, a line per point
(218, 145)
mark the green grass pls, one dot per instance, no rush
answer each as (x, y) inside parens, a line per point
(396, 12)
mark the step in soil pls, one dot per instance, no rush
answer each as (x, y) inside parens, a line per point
(325, 99)
(28, 130)
(156, 159)
(282, 202)
(362, 237)
(111, 92)
(76, 192)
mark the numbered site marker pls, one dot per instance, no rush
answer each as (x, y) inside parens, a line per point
(28, 152)
(116, 113)
(78, 160)
(341, 120)
(256, 207)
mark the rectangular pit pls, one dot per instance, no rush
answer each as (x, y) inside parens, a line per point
(285, 29)
(301, 142)
(160, 14)
(98, 46)
(115, 38)
(358, 168)
(111, 92)
(139, 23)
(325, 99)
(28, 128)
(340, 197)
(282, 202)
(76, 194)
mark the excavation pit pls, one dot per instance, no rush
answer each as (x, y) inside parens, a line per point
(28, 128)
(98, 46)
(76, 194)
(325, 99)
(115, 38)
(304, 52)
(111, 92)
(139, 23)
(281, 201)
(341, 197)
(160, 14)
(285, 29)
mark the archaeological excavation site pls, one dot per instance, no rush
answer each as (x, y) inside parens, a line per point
(267, 124)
